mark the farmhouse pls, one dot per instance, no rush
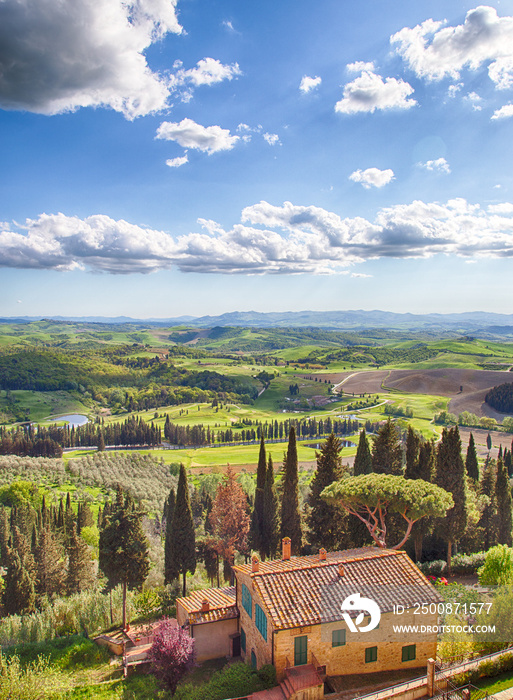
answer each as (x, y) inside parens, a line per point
(288, 612)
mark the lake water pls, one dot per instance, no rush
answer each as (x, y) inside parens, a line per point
(73, 419)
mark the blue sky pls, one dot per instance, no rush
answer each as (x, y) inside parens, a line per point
(165, 158)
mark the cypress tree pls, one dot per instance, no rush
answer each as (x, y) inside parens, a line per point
(363, 457)
(182, 547)
(413, 442)
(5, 531)
(290, 516)
(80, 573)
(488, 520)
(471, 464)
(450, 475)
(169, 508)
(503, 499)
(271, 519)
(489, 441)
(50, 563)
(325, 520)
(423, 467)
(123, 549)
(387, 453)
(19, 595)
(257, 516)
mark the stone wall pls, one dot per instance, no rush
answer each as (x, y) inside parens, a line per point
(350, 658)
(254, 640)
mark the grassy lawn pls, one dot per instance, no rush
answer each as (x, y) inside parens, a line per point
(497, 683)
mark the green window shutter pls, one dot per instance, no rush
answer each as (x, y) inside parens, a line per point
(247, 602)
(409, 653)
(243, 639)
(371, 654)
(261, 621)
(338, 638)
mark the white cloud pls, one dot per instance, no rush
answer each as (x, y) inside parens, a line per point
(440, 165)
(271, 239)
(272, 139)
(504, 112)
(188, 134)
(58, 56)
(372, 177)
(359, 66)
(434, 51)
(177, 162)
(209, 71)
(474, 100)
(308, 84)
(360, 275)
(369, 92)
(453, 90)
(505, 208)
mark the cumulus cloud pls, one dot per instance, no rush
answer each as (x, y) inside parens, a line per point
(359, 66)
(188, 134)
(209, 71)
(270, 239)
(372, 177)
(502, 208)
(369, 92)
(440, 165)
(503, 112)
(308, 84)
(177, 162)
(271, 139)
(434, 51)
(59, 56)
(474, 100)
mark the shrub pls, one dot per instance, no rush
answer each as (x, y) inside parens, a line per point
(497, 569)
(234, 680)
(433, 568)
(468, 563)
(34, 681)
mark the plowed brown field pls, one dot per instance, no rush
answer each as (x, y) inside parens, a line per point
(466, 387)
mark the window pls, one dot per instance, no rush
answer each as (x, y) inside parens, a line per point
(371, 654)
(261, 621)
(253, 659)
(409, 653)
(338, 638)
(247, 602)
(243, 639)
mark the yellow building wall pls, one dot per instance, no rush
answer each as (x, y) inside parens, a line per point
(254, 640)
(350, 658)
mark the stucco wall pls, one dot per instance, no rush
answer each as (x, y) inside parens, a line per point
(213, 638)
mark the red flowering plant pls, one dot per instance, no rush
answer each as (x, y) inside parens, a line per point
(438, 580)
(172, 654)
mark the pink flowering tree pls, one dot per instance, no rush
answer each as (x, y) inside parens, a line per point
(172, 654)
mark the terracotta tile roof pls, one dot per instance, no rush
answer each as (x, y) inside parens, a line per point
(222, 605)
(306, 590)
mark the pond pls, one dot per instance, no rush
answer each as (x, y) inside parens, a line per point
(73, 419)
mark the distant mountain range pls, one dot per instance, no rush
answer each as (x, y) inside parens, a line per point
(467, 322)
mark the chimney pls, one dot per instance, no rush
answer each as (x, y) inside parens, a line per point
(205, 605)
(285, 548)
(341, 571)
(322, 554)
(254, 563)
